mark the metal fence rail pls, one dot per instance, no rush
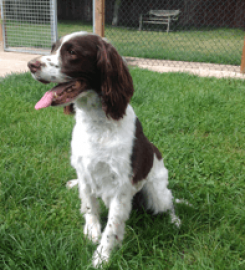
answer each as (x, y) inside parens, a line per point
(29, 25)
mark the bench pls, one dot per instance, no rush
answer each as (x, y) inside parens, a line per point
(158, 17)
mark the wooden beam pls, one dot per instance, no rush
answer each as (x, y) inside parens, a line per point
(1, 31)
(100, 17)
(243, 59)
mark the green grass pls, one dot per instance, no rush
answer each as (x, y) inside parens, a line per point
(28, 35)
(197, 123)
(211, 45)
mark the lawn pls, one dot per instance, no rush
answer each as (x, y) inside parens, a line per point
(21, 34)
(211, 45)
(199, 126)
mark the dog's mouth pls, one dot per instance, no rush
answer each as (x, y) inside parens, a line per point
(61, 94)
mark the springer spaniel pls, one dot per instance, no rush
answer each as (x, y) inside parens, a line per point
(112, 157)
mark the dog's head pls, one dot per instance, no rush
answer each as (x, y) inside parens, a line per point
(79, 62)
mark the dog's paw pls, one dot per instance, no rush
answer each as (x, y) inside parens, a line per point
(176, 221)
(72, 183)
(101, 256)
(92, 230)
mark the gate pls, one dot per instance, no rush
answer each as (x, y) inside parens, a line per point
(29, 25)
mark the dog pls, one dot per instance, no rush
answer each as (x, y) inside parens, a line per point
(112, 157)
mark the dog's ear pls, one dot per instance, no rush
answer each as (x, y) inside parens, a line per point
(69, 109)
(115, 81)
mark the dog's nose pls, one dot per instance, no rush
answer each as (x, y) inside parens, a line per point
(34, 66)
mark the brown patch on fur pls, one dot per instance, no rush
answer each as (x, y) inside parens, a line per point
(142, 155)
(157, 152)
(69, 109)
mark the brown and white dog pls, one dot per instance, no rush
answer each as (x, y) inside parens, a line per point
(112, 157)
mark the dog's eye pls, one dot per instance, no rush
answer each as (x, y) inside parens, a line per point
(71, 52)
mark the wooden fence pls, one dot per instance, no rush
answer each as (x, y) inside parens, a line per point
(243, 59)
(100, 17)
(1, 32)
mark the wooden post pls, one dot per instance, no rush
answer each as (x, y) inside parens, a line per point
(100, 17)
(1, 31)
(243, 59)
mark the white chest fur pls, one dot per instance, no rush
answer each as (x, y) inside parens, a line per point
(102, 147)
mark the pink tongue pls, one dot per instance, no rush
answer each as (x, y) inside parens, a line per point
(45, 101)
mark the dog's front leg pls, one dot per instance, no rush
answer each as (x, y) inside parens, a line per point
(120, 208)
(90, 210)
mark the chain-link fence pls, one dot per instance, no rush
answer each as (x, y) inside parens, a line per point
(29, 25)
(150, 31)
(177, 33)
(75, 15)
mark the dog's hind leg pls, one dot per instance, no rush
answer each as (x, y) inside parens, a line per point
(157, 197)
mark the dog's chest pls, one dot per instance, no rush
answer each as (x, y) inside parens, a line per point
(102, 156)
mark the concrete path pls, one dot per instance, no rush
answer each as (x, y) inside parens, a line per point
(196, 68)
(13, 62)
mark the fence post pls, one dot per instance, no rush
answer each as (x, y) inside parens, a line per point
(243, 59)
(1, 31)
(99, 17)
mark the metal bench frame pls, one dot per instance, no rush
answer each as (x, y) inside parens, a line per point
(158, 17)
